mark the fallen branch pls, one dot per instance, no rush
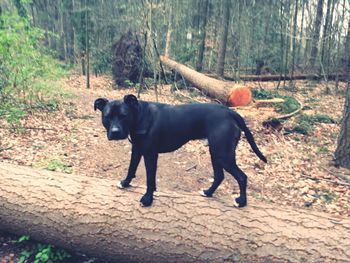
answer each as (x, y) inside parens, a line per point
(341, 176)
(5, 149)
(28, 128)
(325, 180)
(270, 77)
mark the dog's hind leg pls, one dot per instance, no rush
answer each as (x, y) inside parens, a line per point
(218, 178)
(134, 162)
(241, 177)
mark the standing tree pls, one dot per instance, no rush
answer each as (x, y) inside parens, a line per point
(294, 39)
(202, 34)
(342, 153)
(223, 40)
(316, 32)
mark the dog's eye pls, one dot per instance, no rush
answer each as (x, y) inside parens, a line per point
(122, 115)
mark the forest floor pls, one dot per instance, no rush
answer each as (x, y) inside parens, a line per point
(299, 173)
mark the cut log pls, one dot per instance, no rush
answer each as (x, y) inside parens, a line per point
(93, 216)
(228, 93)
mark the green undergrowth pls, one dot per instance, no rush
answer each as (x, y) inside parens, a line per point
(28, 74)
(305, 123)
(55, 164)
(38, 252)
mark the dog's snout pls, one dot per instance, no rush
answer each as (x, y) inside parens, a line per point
(115, 129)
(115, 133)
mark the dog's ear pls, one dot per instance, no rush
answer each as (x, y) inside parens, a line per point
(131, 100)
(100, 103)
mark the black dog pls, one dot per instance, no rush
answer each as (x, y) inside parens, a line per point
(158, 128)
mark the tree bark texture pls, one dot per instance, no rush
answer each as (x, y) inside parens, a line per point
(223, 91)
(93, 216)
(342, 153)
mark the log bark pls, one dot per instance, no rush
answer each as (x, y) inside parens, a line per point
(93, 216)
(217, 89)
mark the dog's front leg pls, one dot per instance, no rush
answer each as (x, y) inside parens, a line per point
(134, 162)
(151, 168)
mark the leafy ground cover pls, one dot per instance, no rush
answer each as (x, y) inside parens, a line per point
(299, 173)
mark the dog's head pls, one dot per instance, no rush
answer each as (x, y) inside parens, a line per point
(118, 117)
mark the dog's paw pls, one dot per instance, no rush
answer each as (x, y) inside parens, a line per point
(239, 202)
(205, 193)
(146, 200)
(123, 184)
(211, 180)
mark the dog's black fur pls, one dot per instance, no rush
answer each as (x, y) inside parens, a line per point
(158, 128)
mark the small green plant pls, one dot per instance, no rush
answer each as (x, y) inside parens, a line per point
(55, 164)
(129, 83)
(58, 165)
(306, 122)
(261, 198)
(23, 238)
(325, 195)
(323, 150)
(262, 94)
(322, 118)
(40, 252)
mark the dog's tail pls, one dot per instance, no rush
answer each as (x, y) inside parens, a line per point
(242, 125)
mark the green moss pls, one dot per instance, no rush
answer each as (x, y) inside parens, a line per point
(289, 105)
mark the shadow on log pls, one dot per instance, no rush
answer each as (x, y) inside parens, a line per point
(93, 216)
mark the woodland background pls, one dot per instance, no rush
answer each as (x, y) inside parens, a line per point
(231, 37)
(56, 57)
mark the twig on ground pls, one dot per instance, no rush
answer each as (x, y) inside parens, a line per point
(326, 180)
(191, 167)
(343, 177)
(5, 149)
(28, 128)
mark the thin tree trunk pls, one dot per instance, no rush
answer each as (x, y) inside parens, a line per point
(301, 31)
(168, 34)
(202, 35)
(316, 33)
(325, 36)
(294, 35)
(92, 216)
(287, 43)
(223, 41)
(87, 46)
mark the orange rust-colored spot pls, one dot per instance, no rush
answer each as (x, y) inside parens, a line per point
(240, 96)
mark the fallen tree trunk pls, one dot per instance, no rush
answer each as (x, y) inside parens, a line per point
(228, 93)
(93, 216)
(270, 77)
